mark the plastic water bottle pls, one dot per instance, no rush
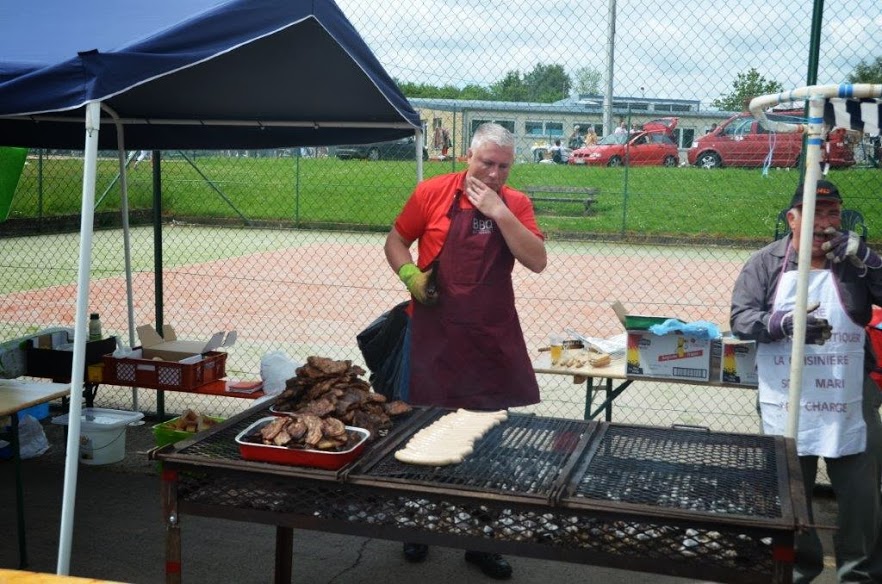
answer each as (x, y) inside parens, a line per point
(94, 327)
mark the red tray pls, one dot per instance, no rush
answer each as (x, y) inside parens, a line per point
(298, 456)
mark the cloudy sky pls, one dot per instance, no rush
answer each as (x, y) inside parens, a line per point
(686, 49)
(690, 49)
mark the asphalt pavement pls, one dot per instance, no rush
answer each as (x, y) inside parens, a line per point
(119, 535)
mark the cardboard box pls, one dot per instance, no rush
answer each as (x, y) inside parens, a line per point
(737, 361)
(168, 348)
(669, 356)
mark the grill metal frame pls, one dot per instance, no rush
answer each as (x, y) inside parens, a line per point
(543, 513)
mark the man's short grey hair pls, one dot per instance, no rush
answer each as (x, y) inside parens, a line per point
(492, 132)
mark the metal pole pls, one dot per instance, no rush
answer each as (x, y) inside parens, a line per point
(610, 67)
(811, 76)
(87, 215)
(806, 228)
(157, 259)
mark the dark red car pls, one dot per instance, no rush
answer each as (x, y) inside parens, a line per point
(743, 141)
(652, 145)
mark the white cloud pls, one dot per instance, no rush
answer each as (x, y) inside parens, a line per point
(692, 49)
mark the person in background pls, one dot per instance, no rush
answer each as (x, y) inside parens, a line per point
(556, 153)
(467, 348)
(590, 137)
(839, 404)
(576, 140)
(622, 128)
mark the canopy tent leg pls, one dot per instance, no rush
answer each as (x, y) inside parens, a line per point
(93, 123)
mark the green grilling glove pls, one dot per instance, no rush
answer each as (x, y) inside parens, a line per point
(419, 283)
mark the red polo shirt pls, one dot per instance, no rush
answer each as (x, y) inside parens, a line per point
(424, 216)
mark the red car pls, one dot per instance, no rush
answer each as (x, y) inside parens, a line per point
(650, 146)
(743, 141)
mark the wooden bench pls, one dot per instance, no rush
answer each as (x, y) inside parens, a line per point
(585, 196)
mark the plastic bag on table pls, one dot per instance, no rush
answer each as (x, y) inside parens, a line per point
(698, 328)
(276, 368)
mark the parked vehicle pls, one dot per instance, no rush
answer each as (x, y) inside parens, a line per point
(402, 149)
(650, 146)
(743, 141)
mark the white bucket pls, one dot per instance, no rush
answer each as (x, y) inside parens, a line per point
(99, 446)
(102, 434)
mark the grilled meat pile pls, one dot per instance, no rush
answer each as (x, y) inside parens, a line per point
(306, 431)
(329, 389)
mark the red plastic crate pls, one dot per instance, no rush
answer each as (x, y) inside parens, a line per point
(169, 375)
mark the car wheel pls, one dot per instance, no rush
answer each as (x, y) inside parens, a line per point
(670, 161)
(373, 154)
(614, 161)
(709, 160)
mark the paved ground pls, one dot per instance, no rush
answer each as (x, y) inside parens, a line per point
(119, 535)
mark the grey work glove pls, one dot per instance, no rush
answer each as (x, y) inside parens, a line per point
(817, 330)
(849, 245)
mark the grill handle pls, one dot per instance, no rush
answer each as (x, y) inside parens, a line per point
(690, 427)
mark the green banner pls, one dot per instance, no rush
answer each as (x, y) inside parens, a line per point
(11, 163)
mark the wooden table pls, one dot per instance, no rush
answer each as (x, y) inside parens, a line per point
(24, 577)
(17, 395)
(613, 380)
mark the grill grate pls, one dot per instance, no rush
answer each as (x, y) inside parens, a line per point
(223, 444)
(525, 455)
(685, 469)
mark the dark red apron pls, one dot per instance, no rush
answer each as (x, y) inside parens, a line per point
(468, 350)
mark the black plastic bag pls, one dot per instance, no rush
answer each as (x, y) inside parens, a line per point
(384, 348)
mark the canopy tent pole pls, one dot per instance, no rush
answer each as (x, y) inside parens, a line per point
(93, 123)
(124, 215)
(817, 96)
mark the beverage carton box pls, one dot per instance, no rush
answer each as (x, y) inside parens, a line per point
(737, 361)
(669, 356)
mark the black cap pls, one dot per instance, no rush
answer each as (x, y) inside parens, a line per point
(826, 191)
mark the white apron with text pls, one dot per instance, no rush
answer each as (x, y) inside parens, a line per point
(831, 422)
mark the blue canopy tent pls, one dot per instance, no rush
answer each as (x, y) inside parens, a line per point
(183, 74)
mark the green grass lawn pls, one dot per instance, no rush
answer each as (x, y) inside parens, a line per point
(681, 202)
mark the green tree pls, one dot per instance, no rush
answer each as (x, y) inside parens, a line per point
(587, 80)
(746, 86)
(473, 91)
(870, 72)
(509, 88)
(547, 83)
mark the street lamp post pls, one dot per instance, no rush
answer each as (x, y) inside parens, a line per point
(610, 60)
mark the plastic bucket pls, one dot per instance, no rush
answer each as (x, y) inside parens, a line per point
(99, 446)
(102, 434)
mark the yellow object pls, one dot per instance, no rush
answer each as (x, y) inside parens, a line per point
(25, 577)
(95, 373)
(556, 354)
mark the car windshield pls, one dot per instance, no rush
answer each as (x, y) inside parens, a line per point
(613, 139)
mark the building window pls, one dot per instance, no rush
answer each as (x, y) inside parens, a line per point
(554, 129)
(507, 124)
(534, 128)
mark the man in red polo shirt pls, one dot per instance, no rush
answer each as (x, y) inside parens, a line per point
(467, 349)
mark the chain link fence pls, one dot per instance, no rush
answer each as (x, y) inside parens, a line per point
(285, 246)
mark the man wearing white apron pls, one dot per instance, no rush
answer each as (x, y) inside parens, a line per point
(839, 403)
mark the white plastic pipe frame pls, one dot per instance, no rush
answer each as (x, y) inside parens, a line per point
(816, 95)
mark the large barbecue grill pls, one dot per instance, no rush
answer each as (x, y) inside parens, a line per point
(677, 501)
